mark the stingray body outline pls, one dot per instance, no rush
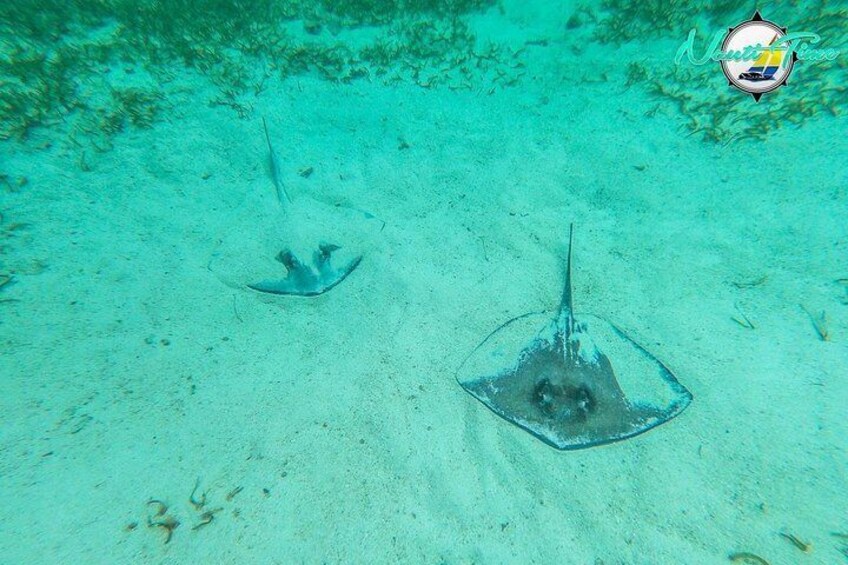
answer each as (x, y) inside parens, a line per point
(305, 280)
(563, 389)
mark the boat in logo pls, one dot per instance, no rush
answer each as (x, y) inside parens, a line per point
(766, 65)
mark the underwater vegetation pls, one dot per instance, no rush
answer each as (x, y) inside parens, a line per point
(622, 20)
(698, 97)
(94, 68)
(164, 518)
(100, 66)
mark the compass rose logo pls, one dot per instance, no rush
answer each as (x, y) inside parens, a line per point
(757, 56)
(761, 41)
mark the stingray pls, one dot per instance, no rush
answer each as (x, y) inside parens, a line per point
(568, 387)
(301, 279)
(305, 280)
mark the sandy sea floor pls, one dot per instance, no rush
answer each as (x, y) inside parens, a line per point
(132, 367)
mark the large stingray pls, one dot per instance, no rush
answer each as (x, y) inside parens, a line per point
(571, 389)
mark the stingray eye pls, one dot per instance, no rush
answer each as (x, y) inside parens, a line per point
(544, 395)
(584, 399)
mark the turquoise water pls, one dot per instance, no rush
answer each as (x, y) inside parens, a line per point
(226, 347)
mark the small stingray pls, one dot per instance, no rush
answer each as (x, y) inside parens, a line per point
(303, 280)
(562, 388)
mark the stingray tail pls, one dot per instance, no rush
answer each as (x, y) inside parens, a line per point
(566, 307)
(275, 169)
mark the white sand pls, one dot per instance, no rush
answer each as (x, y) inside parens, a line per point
(345, 408)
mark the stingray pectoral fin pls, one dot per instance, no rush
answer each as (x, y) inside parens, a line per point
(330, 277)
(301, 280)
(281, 286)
(305, 281)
